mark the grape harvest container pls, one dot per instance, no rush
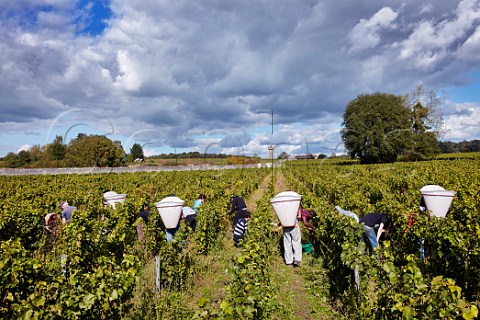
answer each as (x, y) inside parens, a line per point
(286, 204)
(112, 198)
(170, 209)
(437, 199)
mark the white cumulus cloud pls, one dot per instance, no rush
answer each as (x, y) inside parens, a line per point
(366, 34)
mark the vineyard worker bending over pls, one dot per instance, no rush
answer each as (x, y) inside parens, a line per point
(170, 233)
(67, 211)
(51, 223)
(305, 216)
(189, 215)
(371, 220)
(238, 205)
(145, 212)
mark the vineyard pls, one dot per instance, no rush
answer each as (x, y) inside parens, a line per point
(96, 267)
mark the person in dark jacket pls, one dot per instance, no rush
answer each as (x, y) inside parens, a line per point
(144, 215)
(238, 205)
(145, 212)
(189, 216)
(370, 221)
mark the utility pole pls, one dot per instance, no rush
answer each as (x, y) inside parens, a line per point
(271, 148)
(272, 121)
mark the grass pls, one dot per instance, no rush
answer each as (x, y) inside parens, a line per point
(211, 275)
(317, 288)
(303, 292)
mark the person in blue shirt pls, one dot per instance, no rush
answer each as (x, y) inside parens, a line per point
(67, 211)
(198, 202)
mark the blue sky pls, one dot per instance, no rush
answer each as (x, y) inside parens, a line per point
(469, 92)
(97, 14)
(188, 76)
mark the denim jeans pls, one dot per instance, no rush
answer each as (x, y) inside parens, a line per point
(170, 233)
(422, 248)
(372, 237)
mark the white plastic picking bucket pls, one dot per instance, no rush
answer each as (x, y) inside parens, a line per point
(437, 199)
(431, 187)
(170, 209)
(111, 198)
(286, 206)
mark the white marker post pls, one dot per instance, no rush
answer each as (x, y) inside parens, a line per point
(157, 273)
(63, 264)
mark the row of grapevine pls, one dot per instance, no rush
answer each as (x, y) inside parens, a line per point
(250, 295)
(96, 265)
(444, 285)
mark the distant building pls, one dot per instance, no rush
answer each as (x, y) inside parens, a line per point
(301, 156)
(270, 151)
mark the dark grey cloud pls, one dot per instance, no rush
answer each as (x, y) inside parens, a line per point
(235, 140)
(216, 66)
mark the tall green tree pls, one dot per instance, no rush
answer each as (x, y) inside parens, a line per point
(12, 160)
(37, 153)
(57, 149)
(94, 150)
(429, 114)
(427, 122)
(377, 127)
(283, 155)
(136, 152)
(24, 157)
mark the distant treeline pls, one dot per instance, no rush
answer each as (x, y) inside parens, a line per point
(455, 147)
(83, 151)
(95, 151)
(190, 155)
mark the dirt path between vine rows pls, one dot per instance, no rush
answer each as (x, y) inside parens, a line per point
(294, 286)
(251, 201)
(307, 300)
(215, 277)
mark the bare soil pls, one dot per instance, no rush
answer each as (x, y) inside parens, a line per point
(294, 286)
